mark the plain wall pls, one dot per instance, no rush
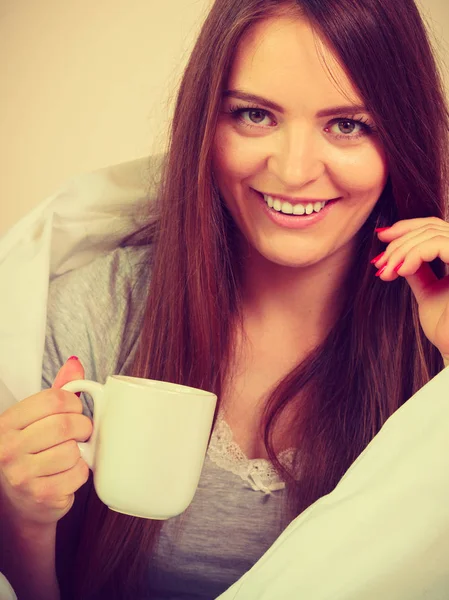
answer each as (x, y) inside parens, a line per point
(88, 84)
(85, 84)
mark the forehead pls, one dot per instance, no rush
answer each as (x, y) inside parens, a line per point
(283, 59)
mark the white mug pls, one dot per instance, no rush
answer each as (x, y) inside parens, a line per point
(148, 443)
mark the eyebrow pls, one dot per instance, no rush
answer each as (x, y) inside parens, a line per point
(326, 112)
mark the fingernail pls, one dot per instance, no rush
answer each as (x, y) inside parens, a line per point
(72, 358)
(381, 229)
(399, 266)
(377, 258)
(381, 271)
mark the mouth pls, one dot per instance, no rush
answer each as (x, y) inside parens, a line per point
(294, 215)
(294, 207)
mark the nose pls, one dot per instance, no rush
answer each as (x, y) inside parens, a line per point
(296, 159)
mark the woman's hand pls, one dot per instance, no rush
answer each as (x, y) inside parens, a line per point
(40, 462)
(413, 243)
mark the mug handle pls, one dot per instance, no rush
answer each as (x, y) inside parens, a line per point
(96, 390)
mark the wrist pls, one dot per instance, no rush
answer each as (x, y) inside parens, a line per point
(32, 533)
(28, 532)
(24, 529)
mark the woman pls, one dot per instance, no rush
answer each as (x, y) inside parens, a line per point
(281, 316)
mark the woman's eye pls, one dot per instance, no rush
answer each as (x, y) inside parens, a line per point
(347, 128)
(250, 116)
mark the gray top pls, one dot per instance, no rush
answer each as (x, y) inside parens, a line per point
(236, 512)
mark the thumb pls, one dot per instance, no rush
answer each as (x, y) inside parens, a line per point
(420, 282)
(71, 370)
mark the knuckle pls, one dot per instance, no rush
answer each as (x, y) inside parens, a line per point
(61, 400)
(70, 399)
(4, 425)
(56, 400)
(87, 426)
(8, 448)
(64, 425)
(42, 491)
(83, 470)
(18, 477)
(72, 451)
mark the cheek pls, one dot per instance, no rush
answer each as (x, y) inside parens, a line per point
(234, 156)
(363, 172)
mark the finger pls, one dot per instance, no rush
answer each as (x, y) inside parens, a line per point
(54, 430)
(72, 370)
(416, 252)
(422, 246)
(406, 241)
(49, 462)
(39, 406)
(60, 485)
(55, 460)
(407, 225)
(420, 281)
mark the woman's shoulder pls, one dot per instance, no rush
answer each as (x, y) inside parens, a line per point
(110, 285)
(120, 266)
(95, 312)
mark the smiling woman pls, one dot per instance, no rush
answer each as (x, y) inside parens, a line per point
(296, 155)
(300, 128)
(283, 106)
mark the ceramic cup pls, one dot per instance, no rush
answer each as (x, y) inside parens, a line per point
(148, 443)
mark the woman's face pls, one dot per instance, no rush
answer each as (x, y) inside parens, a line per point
(293, 149)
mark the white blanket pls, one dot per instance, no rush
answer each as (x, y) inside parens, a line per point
(89, 215)
(383, 533)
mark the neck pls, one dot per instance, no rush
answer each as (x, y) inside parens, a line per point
(294, 301)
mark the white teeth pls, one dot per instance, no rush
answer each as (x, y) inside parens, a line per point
(277, 204)
(289, 209)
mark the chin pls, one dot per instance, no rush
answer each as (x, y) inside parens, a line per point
(282, 259)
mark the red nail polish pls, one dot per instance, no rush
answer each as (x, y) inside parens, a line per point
(381, 271)
(399, 266)
(377, 258)
(73, 358)
(381, 229)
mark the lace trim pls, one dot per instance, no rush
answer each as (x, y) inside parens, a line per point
(258, 473)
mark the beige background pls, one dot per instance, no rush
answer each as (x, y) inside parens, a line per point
(87, 84)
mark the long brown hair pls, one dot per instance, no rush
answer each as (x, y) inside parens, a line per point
(376, 356)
